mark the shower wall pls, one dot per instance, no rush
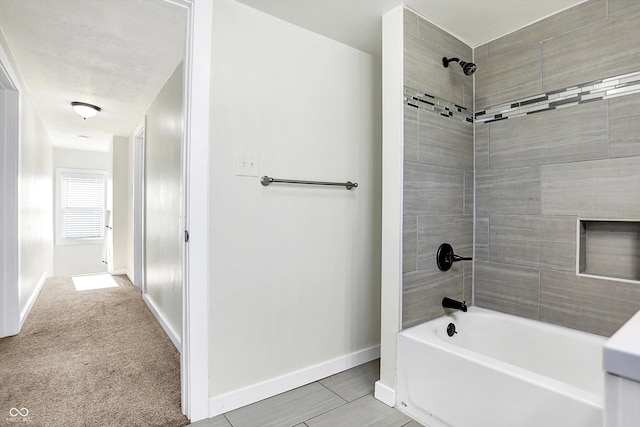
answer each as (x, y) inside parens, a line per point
(438, 171)
(537, 173)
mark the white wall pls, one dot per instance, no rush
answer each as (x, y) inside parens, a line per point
(36, 202)
(163, 243)
(34, 198)
(80, 258)
(295, 270)
(122, 205)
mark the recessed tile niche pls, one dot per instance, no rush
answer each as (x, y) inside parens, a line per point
(609, 249)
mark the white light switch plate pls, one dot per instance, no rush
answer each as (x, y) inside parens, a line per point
(246, 164)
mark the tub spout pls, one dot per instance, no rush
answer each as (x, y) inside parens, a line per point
(456, 305)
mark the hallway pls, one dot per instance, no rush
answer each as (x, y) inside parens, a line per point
(90, 357)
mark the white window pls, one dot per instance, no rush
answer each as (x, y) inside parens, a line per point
(81, 206)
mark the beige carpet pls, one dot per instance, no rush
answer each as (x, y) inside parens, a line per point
(90, 358)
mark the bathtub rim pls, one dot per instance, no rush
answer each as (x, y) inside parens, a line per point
(410, 331)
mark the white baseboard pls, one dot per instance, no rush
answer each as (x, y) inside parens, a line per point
(130, 276)
(161, 320)
(32, 299)
(119, 272)
(385, 394)
(262, 390)
(123, 272)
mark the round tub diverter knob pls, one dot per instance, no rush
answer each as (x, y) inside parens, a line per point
(451, 329)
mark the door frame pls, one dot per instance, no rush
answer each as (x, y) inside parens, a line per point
(10, 91)
(194, 357)
(139, 201)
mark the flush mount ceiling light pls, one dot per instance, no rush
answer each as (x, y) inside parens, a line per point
(85, 110)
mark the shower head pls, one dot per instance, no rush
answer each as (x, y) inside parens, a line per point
(467, 67)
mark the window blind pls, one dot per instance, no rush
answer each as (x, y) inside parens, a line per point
(82, 206)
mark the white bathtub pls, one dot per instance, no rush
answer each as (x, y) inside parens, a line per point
(500, 371)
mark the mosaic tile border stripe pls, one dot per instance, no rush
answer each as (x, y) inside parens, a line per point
(597, 90)
(612, 87)
(424, 101)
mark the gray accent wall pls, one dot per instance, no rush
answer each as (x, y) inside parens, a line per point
(537, 174)
(438, 173)
(510, 188)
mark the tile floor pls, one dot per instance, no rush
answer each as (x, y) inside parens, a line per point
(342, 400)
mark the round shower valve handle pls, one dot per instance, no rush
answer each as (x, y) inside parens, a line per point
(445, 257)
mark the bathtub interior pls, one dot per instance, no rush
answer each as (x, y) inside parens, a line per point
(569, 356)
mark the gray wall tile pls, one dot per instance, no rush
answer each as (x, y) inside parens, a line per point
(445, 142)
(445, 41)
(512, 76)
(468, 192)
(481, 142)
(577, 161)
(535, 241)
(441, 184)
(431, 190)
(570, 145)
(593, 305)
(449, 46)
(423, 291)
(410, 134)
(482, 238)
(617, 7)
(468, 93)
(558, 136)
(574, 58)
(467, 291)
(596, 189)
(409, 243)
(422, 61)
(481, 53)
(508, 191)
(410, 23)
(435, 230)
(624, 126)
(423, 68)
(578, 16)
(507, 288)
